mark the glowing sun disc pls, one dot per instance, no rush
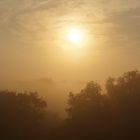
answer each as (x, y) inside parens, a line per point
(74, 36)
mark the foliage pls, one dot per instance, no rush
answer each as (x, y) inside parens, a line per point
(116, 114)
(21, 115)
(92, 114)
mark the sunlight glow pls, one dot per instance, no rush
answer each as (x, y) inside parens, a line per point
(75, 36)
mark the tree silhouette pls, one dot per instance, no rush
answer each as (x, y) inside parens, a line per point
(113, 115)
(93, 113)
(21, 115)
(124, 94)
(88, 113)
(81, 102)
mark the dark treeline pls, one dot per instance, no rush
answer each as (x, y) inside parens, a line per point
(93, 113)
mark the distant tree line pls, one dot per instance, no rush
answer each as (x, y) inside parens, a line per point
(93, 113)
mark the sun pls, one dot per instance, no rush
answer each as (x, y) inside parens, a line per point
(74, 35)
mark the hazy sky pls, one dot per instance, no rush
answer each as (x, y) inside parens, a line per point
(32, 41)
